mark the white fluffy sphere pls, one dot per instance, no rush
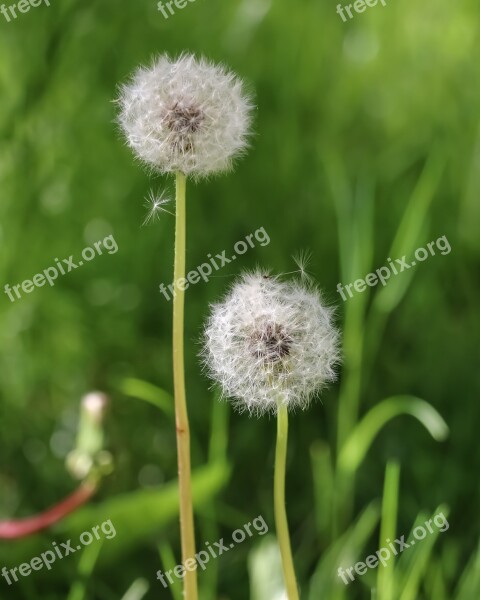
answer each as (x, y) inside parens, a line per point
(270, 342)
(185, 115)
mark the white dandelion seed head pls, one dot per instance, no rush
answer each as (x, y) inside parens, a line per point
(271, 341)
(185, 115)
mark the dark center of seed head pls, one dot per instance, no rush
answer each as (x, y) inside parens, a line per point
(271, 343)
(184, 120)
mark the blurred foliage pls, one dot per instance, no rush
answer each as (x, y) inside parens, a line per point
(367, 146)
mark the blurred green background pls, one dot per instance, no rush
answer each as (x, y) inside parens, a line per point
(366, 145)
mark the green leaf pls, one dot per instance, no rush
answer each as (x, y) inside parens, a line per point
(435, 581)
(169, 563)
(469, 586)
(417, 558)
(386, 574)
(142, 390)
(265, 558)
(136, 516)
(326, 582)
(323, 486)
(362, 437)
(408, 234)
(219, 430)
(85, 568)
(137, 590)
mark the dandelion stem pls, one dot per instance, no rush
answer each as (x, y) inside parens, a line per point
(281, 522)
(187, 530)
(19, 528)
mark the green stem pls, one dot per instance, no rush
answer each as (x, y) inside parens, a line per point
(281, 522)
(187, 530)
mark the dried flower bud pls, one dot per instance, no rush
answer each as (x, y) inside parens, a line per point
(95, 404)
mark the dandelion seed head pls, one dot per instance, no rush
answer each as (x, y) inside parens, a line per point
(271, 341)
(185, 115)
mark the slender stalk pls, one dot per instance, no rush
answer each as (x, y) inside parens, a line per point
(19, 528)
(281, 522)
(187, 530)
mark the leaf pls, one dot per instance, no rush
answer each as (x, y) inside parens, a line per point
(137, 590)
(323, 486)
(386, 574)
(265, 558)
(136, 517)
(435, 582)
(136, 388)
(219, 430)
(417, 558)
(169, 563)
(362, 437)
(326, 581)
(469, 586)
(409, 231)
(85, 568)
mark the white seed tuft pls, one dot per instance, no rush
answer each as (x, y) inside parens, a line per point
(270, 342)
(185, 115)
(156, 202)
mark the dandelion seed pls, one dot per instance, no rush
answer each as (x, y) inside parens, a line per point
(156, 204)
(302, 260)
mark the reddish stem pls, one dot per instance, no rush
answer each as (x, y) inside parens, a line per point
(23, 527)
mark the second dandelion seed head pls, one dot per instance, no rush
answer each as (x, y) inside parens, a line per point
(271, 342)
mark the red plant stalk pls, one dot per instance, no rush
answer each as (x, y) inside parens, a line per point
(14, 529)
